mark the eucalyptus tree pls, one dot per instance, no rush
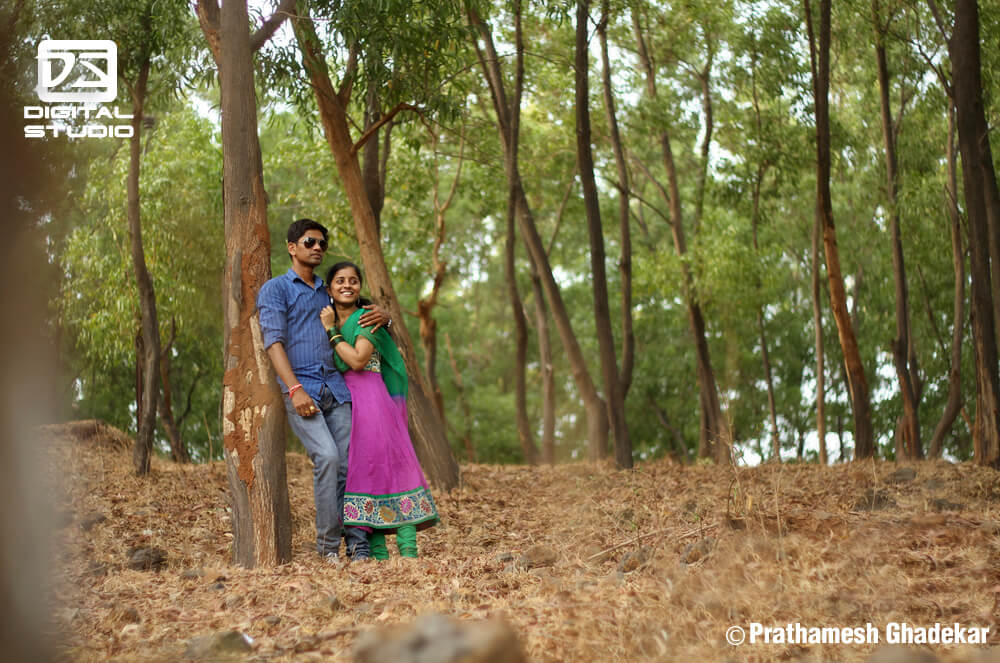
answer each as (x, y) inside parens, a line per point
(253, 415)
(385, 54)
(903, 346)
(506, 107)
(656, 58)
(982, 203)
(98, 301)
(153, 43)
(819, 49)
(614, 392)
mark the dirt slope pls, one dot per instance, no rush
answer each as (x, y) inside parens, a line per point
(587, 563)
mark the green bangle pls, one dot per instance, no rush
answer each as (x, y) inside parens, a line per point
(332, 331)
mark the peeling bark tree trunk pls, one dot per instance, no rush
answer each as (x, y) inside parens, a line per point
(864, 438)
(147, 297)
(903, 352)
(614, 398)
(253, 416)
(426, 429)
(980, 189)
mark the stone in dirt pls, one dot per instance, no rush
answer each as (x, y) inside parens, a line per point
(873, 500)
(537, 556)
(147, 559)
(899, 654)
(437, 638)
(634, 559)
(91, 520)
(902, 475)
(695, 552)
(221, 645)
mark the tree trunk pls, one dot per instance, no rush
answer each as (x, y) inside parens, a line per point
(624, 218)
(980, 188)
(426, 429)
(470, 450)
(178, 451)
(715, 437)
(371, 162)
(818, 340)
(253, 416)
(902, 345)
(425, 305)
(596, 414)
(864, 439)
(524, 433)
(547, 369)
(144, 283)
(614, 398)
(954, 403)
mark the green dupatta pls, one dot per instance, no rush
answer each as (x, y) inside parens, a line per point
(393, 368)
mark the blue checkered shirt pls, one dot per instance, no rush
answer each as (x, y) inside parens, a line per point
(289, 314)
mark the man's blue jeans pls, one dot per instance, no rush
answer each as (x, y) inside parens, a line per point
(326, 437)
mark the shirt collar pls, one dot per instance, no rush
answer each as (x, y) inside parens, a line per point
(291, 275)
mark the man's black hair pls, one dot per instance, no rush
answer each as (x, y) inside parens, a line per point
(299, 228)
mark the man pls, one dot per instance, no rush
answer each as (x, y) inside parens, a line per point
(316, 398)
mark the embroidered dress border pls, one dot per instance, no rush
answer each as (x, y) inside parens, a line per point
(411, 507)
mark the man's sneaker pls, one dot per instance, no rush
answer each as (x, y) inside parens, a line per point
(332, 558)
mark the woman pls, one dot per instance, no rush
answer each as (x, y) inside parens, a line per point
(386, 490)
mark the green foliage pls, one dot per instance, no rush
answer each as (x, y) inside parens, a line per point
(182, 233)
(748, 254)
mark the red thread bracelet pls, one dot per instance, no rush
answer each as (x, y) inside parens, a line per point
(291, 390)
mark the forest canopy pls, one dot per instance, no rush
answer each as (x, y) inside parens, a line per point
(739, 229)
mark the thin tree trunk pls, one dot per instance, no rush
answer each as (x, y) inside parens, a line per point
(596, 413)
(524, 432)
(818, 341)
(144, 282)
(954, 403)
(425, 305)
(470, 450)
(980, 189)
(546, 368)
(625, 265)
(864, 438)
(902, 345)
(614, 399)
(772, 407)
(253, 417)
(178, 451)
(762, 168)
(426, 428)
(715, 438)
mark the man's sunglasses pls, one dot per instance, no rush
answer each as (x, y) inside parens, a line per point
(310, 242)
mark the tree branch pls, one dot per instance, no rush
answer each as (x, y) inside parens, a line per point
(271, 25)
(372, 130)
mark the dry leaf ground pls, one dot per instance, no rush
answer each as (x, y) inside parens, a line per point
(586, 562)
